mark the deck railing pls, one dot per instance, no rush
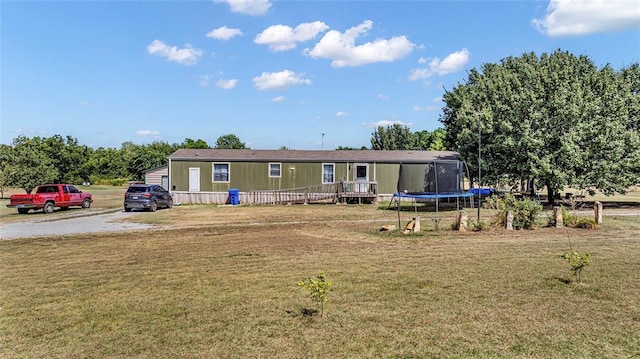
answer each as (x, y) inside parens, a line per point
(338, 191)
(334, 192)
(308, 194)
(354, 189)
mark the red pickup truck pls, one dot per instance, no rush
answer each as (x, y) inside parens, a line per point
(49, 196)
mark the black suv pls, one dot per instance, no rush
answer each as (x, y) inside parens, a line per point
(149, 197)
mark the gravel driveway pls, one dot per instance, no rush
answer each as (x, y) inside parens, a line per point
(72, 224)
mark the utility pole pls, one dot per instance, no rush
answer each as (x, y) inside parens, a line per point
(479, 167)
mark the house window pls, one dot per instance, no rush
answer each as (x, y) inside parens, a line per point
(220, 172)
(328, 172)
(275, 169)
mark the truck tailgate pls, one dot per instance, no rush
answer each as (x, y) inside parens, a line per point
(17, 199)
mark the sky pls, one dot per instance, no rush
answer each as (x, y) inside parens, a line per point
(306, 75)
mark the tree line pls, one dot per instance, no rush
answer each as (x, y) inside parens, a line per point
(28, 162)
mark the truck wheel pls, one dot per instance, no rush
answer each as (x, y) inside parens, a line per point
(127, 209)
(86, 203)
(154, 206)
(23, 210)
(48, 207)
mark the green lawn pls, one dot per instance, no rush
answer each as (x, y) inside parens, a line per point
(224, 286)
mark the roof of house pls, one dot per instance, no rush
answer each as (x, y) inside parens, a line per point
(313, 156)
(156, 168)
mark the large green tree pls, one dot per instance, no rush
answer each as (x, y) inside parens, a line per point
(194, 144)
(430, 141)
(6, 152)
(400, 137)
(394, 137)
(107, 163)
(230, 142)
(68, 157)
(554, 120)
(29, 164)
(630, 77)
(139, 158)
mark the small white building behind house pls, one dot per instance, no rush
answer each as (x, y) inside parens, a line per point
(158, 175)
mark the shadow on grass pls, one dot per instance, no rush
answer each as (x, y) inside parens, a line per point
(556, 280)
(303, 312)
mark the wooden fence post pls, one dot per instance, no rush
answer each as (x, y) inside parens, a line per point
(510, 220)
(557, 214)
(462, 221)
(597, 208)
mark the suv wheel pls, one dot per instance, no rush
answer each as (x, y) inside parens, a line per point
(154, 206)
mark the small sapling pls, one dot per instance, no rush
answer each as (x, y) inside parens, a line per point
(318, 289)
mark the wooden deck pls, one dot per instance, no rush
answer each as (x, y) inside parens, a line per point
(357, 191)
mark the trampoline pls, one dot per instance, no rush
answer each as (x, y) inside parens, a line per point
(432, 182)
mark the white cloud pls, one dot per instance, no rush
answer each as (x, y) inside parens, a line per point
(203, 80)
(279, 80)
(582, 17)
(224, 33)
(147, 133)
(278, 99)
(185, 56)
(452, 63)
(249, 7)
(282, 37)
(383, 97)
(387, 123)
(342, 50)
(227, 84)
(437, 99)
(341, 114)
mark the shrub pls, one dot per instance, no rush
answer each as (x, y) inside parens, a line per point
(477, 226)
(99, 180)
(574, 221)
(525, 211)
(586, 223)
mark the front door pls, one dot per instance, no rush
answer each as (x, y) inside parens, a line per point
(194, 179)
(361, 176)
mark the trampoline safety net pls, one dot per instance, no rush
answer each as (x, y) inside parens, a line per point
(433, 177)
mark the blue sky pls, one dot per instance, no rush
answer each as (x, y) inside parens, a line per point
(300, 74)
